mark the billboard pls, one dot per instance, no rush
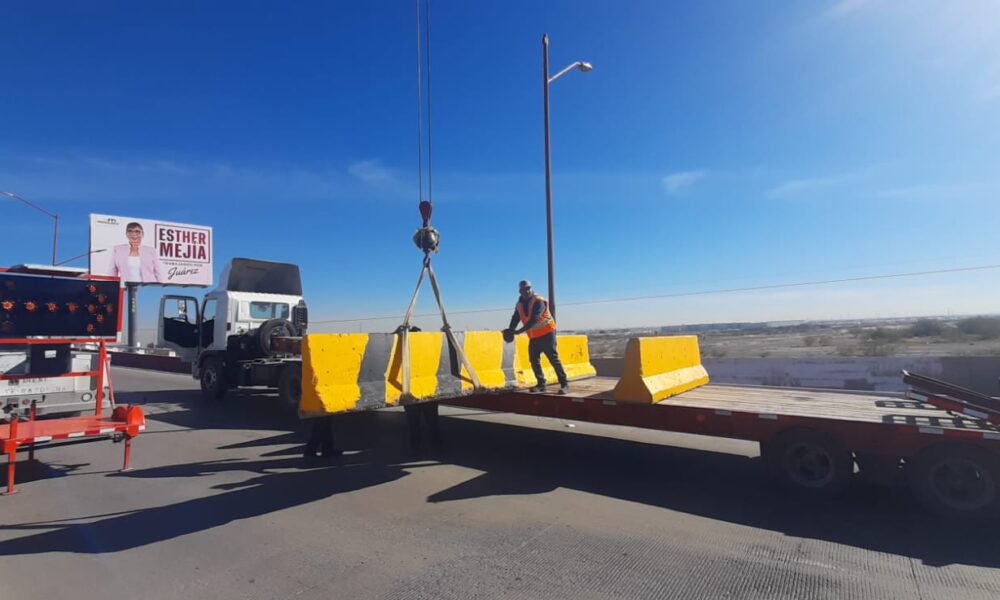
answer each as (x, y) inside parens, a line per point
(150, 252)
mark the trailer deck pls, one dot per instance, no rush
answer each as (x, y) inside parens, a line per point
(591, 400)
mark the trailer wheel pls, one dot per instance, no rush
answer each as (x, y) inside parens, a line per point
(809, 461)
(213, 378)
(957, 481)
(290, 385)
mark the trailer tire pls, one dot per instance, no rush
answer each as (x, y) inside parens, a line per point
(213, 378)
(957, 481)
(269, 329)
(290, 385)
(809, 461)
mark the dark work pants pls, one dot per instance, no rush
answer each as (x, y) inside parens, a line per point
(427, 412)
(321, 438)
(546, 345)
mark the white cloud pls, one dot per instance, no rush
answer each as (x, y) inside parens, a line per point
(372, 172)
(93, 178)
(798, 187)
(676, 182)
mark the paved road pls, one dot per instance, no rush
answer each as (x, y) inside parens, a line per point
(220, 506)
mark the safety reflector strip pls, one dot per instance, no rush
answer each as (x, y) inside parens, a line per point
(580, 400)
(77, 434)
(608, 402)
(142, 428)
(43, 438)
(768, 417)
(915, 396)
(107, 430)
(991, 436)
(975, 414)
(932, 430)
(723, 413)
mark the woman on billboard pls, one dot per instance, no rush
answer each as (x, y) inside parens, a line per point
(134, 262)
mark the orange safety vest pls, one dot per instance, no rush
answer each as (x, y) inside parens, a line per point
(546, 324)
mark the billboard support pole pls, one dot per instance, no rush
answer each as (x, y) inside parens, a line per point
(133, 309)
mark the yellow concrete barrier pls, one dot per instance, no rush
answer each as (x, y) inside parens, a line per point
(573, 352)
(426, 348)
(660, 367)
(331, 367)
(351, 372)
(491, 359)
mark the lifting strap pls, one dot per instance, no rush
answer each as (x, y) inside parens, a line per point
(404, 330)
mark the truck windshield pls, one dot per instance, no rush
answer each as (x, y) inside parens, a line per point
(268, 310)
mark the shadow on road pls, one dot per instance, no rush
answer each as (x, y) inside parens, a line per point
(513, 460)
(725, 487)
(275, 485)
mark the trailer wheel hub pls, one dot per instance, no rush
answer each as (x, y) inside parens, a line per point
(809, 466)
(962, 484)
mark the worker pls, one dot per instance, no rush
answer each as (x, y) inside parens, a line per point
(321, 439)
(532, 311)
(420, 414)
(427, 412)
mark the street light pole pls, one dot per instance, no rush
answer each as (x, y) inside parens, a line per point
(546, 81)
(53, 216)
(548, 177)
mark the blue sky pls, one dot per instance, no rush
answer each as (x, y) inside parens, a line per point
(715, 145)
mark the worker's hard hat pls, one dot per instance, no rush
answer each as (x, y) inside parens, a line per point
(524, 284)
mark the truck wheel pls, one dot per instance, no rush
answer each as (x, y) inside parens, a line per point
(957, 481)
(290, 385)
(809, 461)
(213, 378)
(270, 329)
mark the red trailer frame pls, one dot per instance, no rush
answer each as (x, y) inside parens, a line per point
(888, 436)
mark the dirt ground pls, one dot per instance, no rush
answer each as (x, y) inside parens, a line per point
(814, 340)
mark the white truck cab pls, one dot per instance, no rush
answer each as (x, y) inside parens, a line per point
(230, 338)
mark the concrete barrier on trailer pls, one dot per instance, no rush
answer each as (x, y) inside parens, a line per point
(432, 375)
(573, 352)
(660, 367)
(357, 371)
(491, 359)
(344, 372)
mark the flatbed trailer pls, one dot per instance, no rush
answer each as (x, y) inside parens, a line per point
(811, 440)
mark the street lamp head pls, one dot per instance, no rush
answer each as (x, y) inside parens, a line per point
(584, 66)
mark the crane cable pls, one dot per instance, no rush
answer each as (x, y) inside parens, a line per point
(426, 238)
